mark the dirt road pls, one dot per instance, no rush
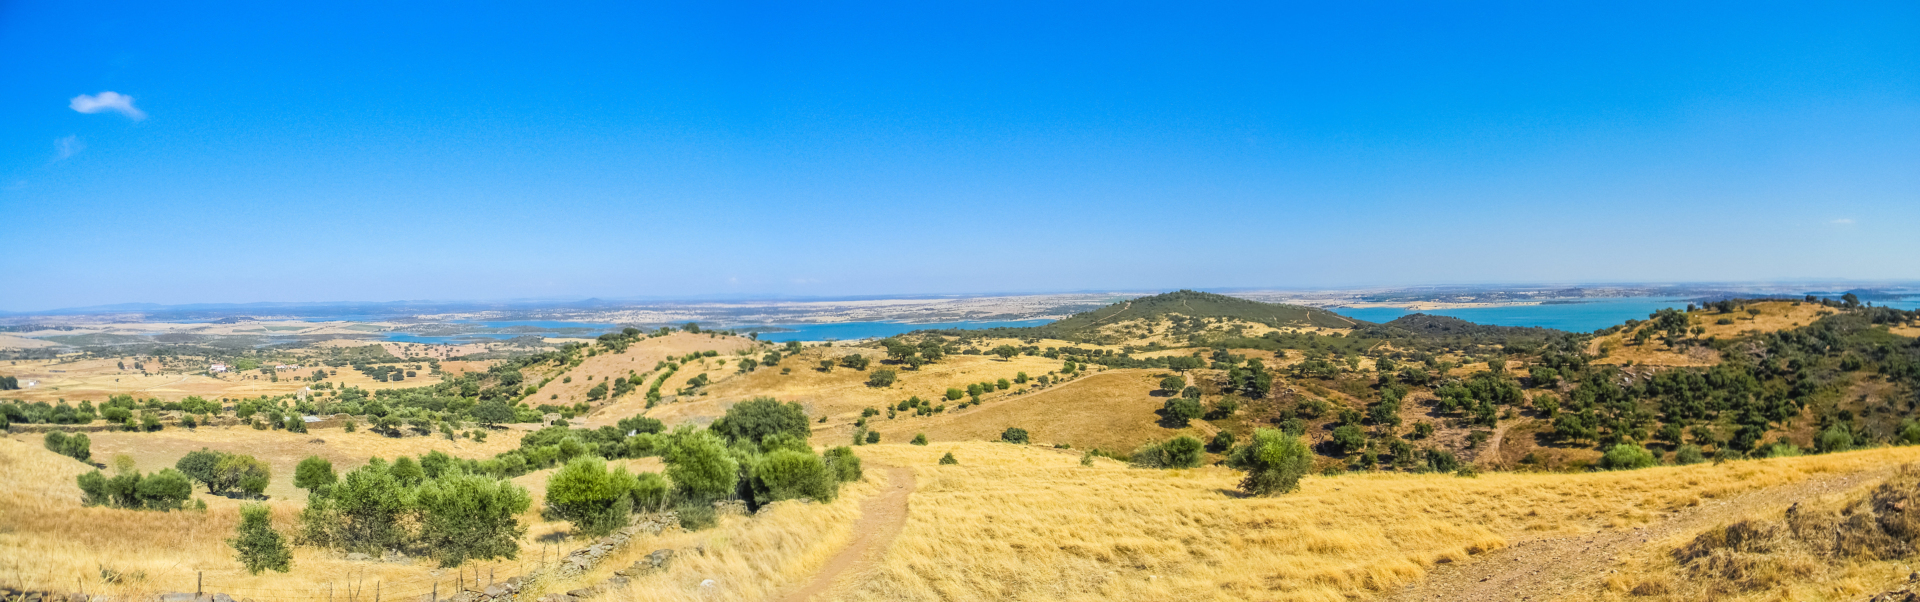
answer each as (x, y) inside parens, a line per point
(1544, 568)
(881, 518)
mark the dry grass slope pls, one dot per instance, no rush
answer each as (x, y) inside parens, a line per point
(1032, 524)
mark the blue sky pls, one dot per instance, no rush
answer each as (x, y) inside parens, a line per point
(379, 151)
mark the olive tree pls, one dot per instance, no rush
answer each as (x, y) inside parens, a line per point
(1274, 462)
(595, 500)
(257, 545)
(465, 516)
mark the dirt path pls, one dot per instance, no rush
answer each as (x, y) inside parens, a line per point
(1542, 569)
(881, 518)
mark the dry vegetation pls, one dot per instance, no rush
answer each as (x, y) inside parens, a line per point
(748, 559)
(1110, 410)
(638, 359)
(842, 393)
(97, 379)
(1774, 316)
(1839, 546)
(280, 449)
(1032, 524)
(53, 542)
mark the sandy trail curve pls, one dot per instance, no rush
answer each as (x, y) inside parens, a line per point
(1542, 569)
(881, 518)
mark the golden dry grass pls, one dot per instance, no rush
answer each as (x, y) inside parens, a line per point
(75, 379)
(1774, 316)
(842, 393)
(48, 540)
(1016, 522)
(747, 558)
(639, 358)
(1789, 572)
(1110, 410)
(280, 449)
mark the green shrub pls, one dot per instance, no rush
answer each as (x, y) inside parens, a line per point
(696, 515)
(1440, 460)
(1172, 385)
(1627, 456)
(786, 475)
(366, 512)
(1014, 435)
(164, 490)
(595, 500)
(843, 464)
(471, 517)
(883, 377)
(761, 417)
(1180, 411)
(699, 466)
(920, 439)
(1836, 438)
(201, 466)
(1688, 454)
(650, 492)
(873, 437)
(948, 459)
(313, 473)
(76, 446)
(1274, 462)
(257, 545)
(1179, 452)
(1222, 442)
(1348, 438)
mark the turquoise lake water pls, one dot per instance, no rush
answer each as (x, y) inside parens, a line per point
(1571, 317)
(1585, 316)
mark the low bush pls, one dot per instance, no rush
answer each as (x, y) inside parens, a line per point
(76, 446)
(1014, 435)
(164, 490)
(1688, 454)
(257, 546)
(1627, 456)
(1274, 461)
(844, 465)
(1179, 452)
(595, 500)
(1180, 411)
(787, 474)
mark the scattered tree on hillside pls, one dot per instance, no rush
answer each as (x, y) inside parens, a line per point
(257, 546)
(1274, 462)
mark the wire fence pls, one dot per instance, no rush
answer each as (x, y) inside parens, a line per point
(359, 584)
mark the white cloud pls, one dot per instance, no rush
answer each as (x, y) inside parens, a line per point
(1845, 221)
(66, 147)
(107, 101)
